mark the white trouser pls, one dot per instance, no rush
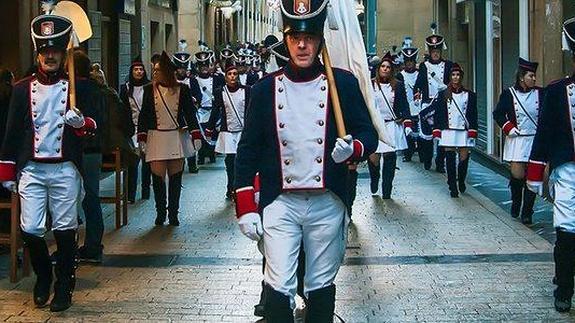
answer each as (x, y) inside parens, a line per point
(57, 187)
(318, 219)
(562, 186)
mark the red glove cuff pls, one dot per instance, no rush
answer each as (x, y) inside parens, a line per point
(7, 171)
(196, 134)
(507, 127)
(245, 201)
(436, 133)
(472, 133)
(89, 128)
(408, 123)
(535, 171)
(357, 151)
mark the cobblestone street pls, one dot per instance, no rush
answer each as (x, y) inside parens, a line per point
(419, 257)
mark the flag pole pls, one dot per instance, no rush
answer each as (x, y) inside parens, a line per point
(334, 95)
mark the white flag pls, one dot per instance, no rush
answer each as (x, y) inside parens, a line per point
(346, 49)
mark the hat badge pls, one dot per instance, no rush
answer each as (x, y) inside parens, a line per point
(301, 7)
(434, 40)
(47, 28)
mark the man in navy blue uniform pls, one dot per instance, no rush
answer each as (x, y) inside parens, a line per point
(290, 137)
(553, 146)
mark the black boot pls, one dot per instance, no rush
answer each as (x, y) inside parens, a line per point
(160, 198)
(65, 270)
(516, 186)
(451, 173)
(260, 308)
(528, 202)
(321, 305)
(175, 188)
(146, 179)
(564, 254)
(389, 163)
(462, 174)
(192, 165)
(278, 308)
(440, 160)
(352, 185)
(374, 175)
(42, 266)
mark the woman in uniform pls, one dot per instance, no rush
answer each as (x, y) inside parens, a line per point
(168, 132)
(391, 103)
(456, 127)
(230, 106)
(517, 114)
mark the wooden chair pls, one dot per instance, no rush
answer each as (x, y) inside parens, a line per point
(113, 163)
(13, 239)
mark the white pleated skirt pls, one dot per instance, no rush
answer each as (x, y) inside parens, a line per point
(227, 142)
(166, 145)
(517, 149)
(456, 138)
(397, 132)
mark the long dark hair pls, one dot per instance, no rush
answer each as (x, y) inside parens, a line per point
(521, 72)
(392, 80)
(449, 90)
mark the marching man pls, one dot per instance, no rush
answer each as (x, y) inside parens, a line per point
(433, 77)
(40, 158)
(553, 146)
(290, 137)
(409, 76)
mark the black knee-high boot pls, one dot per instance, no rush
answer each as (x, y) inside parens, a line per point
(450, 163)
(192, 165)
(230, 162)
(42, 266)
(278, 308)
(528, 202)
(160, 198)
(175, 189)
(321, 305)
(516, 186)
(564, 254)
(462, 174)
(425, 152)
(440, 159)
(389, 163)
(374, 175)
(352, 185)
(65, 270)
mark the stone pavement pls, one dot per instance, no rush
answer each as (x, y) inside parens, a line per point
(419, 257)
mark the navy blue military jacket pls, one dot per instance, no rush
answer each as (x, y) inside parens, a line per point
(260, 147)
(422, 82)
(441, 117)
(553, 143)
(504, 114)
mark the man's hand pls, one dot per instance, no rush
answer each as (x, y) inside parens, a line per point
(343, 149)
(251, 226)
(74, 119)
(11, 186)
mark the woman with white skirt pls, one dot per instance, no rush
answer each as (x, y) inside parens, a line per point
(168, 132)
(230, 103)
(517, 113)
(455, 124)
(391, 103)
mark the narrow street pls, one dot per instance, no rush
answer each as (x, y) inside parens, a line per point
(420, 257)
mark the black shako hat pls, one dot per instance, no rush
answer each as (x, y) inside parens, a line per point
(435, 42)
(307, 16)
(527, 65)
(50, 31)
(182, 60)
(569, 35)
(409, 54)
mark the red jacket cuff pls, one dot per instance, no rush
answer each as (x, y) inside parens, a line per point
(257, 182)
(7, 171)
(436, 133)
(196, 134)
(507, 127)
(535, 171)
(357, 150)
(472, 133)
(142, 137)
(408, 123)
(245, 201)
(89, 128)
